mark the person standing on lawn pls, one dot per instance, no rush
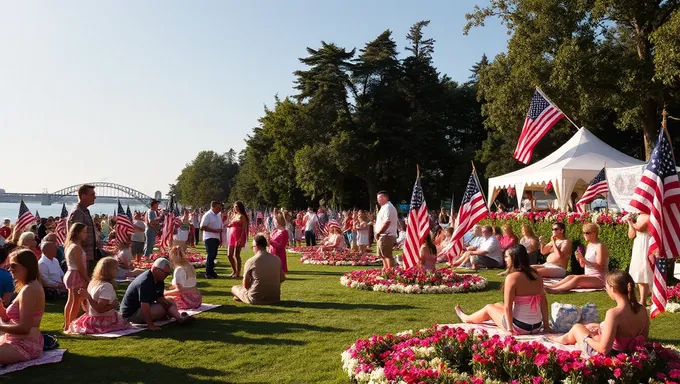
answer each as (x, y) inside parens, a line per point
(211, 225)
(152, 228)
(386, 229)
(80, 214)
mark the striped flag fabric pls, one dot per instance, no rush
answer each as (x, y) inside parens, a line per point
(61, 229)
(170, 225)
(596, 187)
(25, 219)
(37, 217)
(124, 228)
(128, 212)
(542, 115)
(472, 209)
(418, 226)
(658, 195)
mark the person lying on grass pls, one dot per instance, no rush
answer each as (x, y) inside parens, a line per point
(595, 262)
(625, 327)
(525, 305)
(183, 289)
(262, 278)
(144, 301)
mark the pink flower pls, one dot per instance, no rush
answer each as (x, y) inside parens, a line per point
(617, 372)
(541, 359)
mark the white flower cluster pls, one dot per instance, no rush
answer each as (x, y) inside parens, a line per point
(672, 307)
(415, 288)
(338, 263)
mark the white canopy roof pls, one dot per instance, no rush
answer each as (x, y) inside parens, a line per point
(577, 161)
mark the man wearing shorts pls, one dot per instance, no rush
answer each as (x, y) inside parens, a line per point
(386, 229)
(488, 254)
(559, 250)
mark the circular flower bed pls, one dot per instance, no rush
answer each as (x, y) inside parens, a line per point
(305, 250)
(345, 257)
(441, 280)
(452, 355)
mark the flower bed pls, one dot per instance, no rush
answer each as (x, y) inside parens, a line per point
(452, 355)
(673, 301)
(195, 258)
(305, 250)
(345, 257)
(398, 280)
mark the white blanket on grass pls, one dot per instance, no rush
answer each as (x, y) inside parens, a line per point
(49, 357)
(549, 281)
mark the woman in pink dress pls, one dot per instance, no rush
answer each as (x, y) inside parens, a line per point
(238, 233)
(101, 315)
(428, 254)
(278, 240)
(76, 276)
(22, 339)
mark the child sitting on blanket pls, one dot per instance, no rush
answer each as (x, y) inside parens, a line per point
(183, 288)
(125, 267)
(101, 316)
(525, 311)
(595, 262)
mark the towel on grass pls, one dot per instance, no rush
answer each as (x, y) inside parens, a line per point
(49, 357)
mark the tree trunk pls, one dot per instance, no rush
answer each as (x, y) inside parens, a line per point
(649, 126)
(372, 192)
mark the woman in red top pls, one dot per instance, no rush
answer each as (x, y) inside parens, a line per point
(238, 233)
(347, 225)
(278, 240)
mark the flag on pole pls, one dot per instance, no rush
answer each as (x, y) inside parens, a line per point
(61, 225)
(542, 115)
(170, 225)
(658, 195)
(37, 217)
(596, 187)
(124, 228)
(418, 226)
(472, 209)
(128, 212)
(25, 218)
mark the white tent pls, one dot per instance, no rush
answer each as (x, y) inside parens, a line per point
(571, 167)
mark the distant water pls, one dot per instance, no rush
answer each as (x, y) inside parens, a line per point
(11, 210)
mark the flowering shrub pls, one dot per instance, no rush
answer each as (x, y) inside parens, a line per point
(673, 303)
(443, 354)
(344, 257)
(305, 250)
(548, 188)
(413, 281)
(195, 258)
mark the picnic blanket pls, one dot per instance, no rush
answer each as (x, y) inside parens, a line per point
(124, 279)
(49, 357)
(139, 328)
(492, 329)
(550, 281)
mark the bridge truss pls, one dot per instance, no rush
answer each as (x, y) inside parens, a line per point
(102, 188)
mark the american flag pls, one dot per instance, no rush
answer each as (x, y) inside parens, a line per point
(542, 115)
(170, 225)
(472, 209)
(124, 227)
(596, 187)
(25, 220)
(658, 195)
(37, 217)
(418, 226)
(61, 225)
(128, 212)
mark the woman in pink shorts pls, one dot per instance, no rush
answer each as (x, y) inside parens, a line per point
(76, 276)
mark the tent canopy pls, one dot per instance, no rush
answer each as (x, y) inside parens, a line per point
(576, 162)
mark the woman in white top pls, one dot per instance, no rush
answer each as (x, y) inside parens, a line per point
(639, 268)
(528, 204)
(362, 231)
(183, 289)
(101, 316)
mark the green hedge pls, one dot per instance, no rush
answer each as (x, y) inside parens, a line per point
(615, 237)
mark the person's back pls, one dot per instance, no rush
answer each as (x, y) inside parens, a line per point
(265, 270)
(630, 325)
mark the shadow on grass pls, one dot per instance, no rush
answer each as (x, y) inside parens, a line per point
(319, 273)
(342, 306)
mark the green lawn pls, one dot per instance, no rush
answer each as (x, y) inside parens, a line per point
(298, 341)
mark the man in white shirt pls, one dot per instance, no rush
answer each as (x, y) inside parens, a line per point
(489, 253)
(50, 271)
(311, 222)
(211, 225)
(386, 229)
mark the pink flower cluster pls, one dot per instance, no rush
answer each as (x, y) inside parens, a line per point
(673, 294)
(561, 216)
(344, 257)
(315, 248)
(452, 355)
(195, 258)
(415, 280)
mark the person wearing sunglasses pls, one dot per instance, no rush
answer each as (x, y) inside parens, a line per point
(595, 262)
(558, 251)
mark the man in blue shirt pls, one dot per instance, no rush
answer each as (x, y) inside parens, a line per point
(6, 280)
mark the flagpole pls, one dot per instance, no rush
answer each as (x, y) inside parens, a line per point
(474, 173)
(664, 124)
(565, 115)
(606, 195)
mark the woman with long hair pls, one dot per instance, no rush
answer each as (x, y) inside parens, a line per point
(595, 262)
(101, 315)
(238, 233)
(22, 339)
(335, 241)
(625, 327)
(76, 276)
(525, 308)
(530, 242)
(428, 254)
(183, 289)
(362, 228)
(278, 240)
(639, 269)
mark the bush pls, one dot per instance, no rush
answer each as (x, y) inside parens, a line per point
(614, 236)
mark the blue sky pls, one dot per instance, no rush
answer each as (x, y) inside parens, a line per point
(129, 92)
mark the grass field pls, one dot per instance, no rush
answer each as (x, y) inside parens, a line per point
(297, 341)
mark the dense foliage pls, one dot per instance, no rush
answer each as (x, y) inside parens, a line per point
(210, 176)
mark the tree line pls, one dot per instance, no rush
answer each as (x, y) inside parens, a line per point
(361, 121)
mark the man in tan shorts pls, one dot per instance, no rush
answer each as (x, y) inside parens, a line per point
(559, 251)
(386, 229)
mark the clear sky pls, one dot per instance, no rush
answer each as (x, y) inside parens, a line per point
(129, 91)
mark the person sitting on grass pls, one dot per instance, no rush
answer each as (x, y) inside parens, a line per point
(428, 254)
(22, 340)
(101, 315)
(489, 253)
(335, 240)
(262, 278)
(558, 251)
(30, 241)
(124, 258)
(595, 262)
(183, 289)
(526, 307)
(144, 302)
(475, 242)
(625, 327)
(6, 280)
(52, 277)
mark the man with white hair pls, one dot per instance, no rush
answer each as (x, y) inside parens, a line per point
(50, 271)
(144, 302)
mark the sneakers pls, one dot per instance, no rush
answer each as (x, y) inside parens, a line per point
(211, 275)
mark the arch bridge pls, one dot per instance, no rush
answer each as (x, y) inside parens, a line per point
(103, 189)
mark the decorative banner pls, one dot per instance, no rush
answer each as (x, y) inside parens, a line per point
(622, 184)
